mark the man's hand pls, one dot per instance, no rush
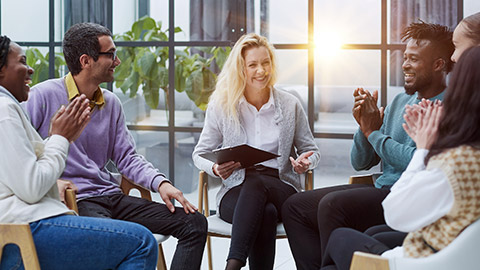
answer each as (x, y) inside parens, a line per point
(169, 192)
(422, 125)
(224, 170)
(302, 163)
(69, 122)
(62, 185)
(366, 112)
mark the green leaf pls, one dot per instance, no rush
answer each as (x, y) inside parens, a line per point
(179, 78)
(146, 63)
(151, 95)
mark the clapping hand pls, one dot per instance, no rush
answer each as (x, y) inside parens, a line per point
(421, 122)
(366, 112)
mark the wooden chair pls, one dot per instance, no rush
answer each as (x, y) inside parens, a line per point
(367, 179)
(462, 253)
(219, 228)
(20, 235)
(127, 185)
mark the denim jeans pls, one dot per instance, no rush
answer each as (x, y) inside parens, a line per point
(72, 242)
(254, 210)
(189, 229)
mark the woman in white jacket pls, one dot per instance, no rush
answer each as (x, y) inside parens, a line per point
(29, 169)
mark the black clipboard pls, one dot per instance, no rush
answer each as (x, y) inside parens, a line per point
(245, 154)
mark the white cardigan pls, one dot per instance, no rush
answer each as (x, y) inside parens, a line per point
(30, 167)
(295, 138)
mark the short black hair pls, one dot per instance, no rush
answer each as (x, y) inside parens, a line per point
(82, 38)
(439, 35)
(4, 49)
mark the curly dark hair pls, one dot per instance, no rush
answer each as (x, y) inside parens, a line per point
(440, 37)
(82, 38)
(460, 120)
(4, 49)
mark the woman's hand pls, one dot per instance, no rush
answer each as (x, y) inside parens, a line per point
(224, 170)
(302, 163)
(69, 122)
(422, 124)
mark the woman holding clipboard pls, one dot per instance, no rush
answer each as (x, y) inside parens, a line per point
(246, 109)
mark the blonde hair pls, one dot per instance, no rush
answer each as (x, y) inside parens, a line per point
(472, 25)
(231, 81)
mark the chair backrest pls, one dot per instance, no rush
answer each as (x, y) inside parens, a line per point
(462, 253)
(20, 235)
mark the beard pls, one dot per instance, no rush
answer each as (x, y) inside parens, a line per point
(421, 82)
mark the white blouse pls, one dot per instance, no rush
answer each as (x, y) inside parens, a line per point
(419, 198)
(262, 132)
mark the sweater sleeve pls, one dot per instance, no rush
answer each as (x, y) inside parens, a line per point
(362, 154)
(303, 138)
(31, 168)
(210, 138)
(396, 154)
(125, 156)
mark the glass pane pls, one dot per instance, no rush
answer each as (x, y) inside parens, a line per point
(186, 174)
(335, 167)
(196, 71)
(341, 21)
(293, 73)
(153, 145)
(141, 82)
(127, 12)
(287, 21)
(337, 75)
(470, 7)
(402, 13)
(395, 75)
(25, 20)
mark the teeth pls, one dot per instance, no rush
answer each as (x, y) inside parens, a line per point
(28, 81)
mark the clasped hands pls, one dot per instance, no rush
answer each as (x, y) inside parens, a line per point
(366, 112)
(422, 121)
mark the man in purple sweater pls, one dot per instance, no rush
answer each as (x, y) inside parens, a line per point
(91, 58)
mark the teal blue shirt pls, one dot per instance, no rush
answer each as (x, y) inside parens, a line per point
(390, 144)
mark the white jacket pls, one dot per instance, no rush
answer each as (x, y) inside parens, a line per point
(29, 167)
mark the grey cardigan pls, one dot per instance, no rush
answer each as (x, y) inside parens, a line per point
(295, 134)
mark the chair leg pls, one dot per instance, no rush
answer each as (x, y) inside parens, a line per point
(209, 253)
(161, 265)
(20, 235)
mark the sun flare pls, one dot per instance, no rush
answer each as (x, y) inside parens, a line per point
(327, 44)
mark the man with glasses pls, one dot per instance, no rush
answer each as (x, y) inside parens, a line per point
(90, 55)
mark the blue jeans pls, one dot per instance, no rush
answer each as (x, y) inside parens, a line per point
(72, 242)
(190, 229)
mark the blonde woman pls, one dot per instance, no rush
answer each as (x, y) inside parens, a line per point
(247, 108)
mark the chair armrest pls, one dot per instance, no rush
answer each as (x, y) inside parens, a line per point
(128, 185)
(361, 179)
(367, 261)
(71, 199)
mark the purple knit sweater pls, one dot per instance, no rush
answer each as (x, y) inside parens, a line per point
(105, 138)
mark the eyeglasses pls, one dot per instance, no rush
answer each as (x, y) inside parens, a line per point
(112, 54)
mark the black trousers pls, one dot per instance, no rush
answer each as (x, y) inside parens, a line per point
(310, 217)
(343, 243)
(253, 208)
(189, 229)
